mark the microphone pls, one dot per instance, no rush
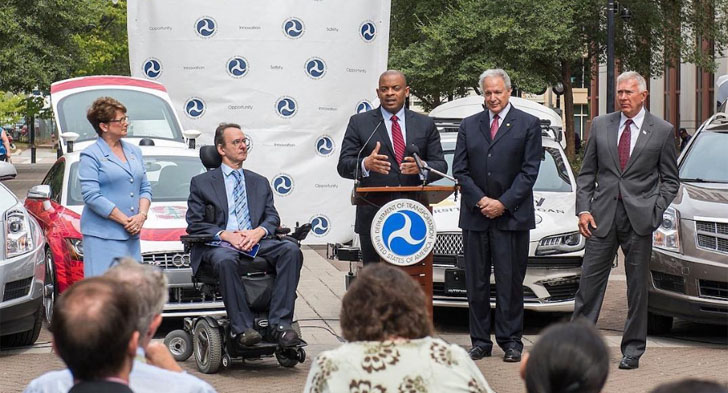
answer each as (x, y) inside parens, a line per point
(414, 151)
(358, 164)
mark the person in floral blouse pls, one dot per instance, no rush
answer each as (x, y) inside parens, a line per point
(390, 348)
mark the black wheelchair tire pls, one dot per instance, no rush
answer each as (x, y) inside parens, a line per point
(207, 342)
(179, 343)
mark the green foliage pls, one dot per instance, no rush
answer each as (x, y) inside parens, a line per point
(104, 46)
(10, 108)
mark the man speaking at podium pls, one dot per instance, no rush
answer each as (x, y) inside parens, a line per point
(373, 150)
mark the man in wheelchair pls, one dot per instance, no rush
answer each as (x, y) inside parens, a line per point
(235, 207)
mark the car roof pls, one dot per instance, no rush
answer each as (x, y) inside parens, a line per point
(467, 106)
(147, 151)
(448, 139)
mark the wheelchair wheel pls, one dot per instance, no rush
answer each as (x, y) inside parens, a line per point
(207, 343)
(288, 357)
(179, 343)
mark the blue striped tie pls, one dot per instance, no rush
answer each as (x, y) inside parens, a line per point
(241, 202)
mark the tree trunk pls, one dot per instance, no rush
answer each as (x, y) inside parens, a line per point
(568, 108)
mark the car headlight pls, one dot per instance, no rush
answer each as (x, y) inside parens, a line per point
(667, 235)
(560, 244)
(75, 248)
(18, 233)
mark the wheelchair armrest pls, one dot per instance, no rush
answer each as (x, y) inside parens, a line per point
(282, 231)
(301, 232)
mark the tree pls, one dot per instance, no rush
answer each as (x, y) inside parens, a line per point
(104, 45)
(10, 108)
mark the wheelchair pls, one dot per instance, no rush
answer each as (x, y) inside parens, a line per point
(208, 337)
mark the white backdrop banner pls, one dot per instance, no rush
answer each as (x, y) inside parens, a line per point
(290, 72)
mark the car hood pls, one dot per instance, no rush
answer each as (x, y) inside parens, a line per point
(79, 146)
(702, 200)
(554, 214)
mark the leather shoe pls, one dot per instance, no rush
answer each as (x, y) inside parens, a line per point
(629, 363)
(477, 352)
(512, 355)
(286, 337)
(248, 338)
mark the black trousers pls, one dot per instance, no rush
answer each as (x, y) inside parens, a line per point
(368, 253)
(507, 253)
(598, 257)
(287, 259)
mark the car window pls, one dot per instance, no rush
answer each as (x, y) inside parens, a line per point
(150, 116)
(54, 178)
(552, 175)
(7, 200)
(706, 159)
(169, 177)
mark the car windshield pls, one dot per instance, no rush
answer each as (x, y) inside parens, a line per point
(7, 200)
(706, 161)
(169, 177)
(149, 115)
(552, 175)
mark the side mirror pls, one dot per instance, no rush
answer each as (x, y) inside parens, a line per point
(7, 171)
(191, 136)
(40, 192)
(69, 137)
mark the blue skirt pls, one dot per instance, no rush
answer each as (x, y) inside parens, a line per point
(98, 253)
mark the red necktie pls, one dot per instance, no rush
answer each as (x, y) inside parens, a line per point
(624, 142)
(397, 141)
(494, 127)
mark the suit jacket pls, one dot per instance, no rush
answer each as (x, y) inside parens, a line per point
(207, 207)
(504, 168)
(648, 183)
(108, 183)
(100, 387)
(421, 132)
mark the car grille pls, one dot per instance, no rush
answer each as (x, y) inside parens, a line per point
(712, 236)
(448, 244)
(16, 289)
(562, 291)
(167, 260)
(668, 282)
(714, 289)
(438, 289)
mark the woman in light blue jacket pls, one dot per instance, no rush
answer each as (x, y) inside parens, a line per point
(115, 190)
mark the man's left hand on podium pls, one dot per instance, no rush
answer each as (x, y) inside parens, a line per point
(409, 167)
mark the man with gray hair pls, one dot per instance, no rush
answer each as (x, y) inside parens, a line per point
(497, 156)
(154, 369)
(628, 178)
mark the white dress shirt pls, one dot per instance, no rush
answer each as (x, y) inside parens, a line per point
(502, 115)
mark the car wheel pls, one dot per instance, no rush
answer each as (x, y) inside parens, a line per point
(50, 289)
(207, 347)
(658, 324)
(179, 343)
(27, 337)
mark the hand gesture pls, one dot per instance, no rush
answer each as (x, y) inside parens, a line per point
(585, 221)
(134, 224)
(409, 166)
(376, 162)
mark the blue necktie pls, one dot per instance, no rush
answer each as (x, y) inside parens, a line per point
(241, 202)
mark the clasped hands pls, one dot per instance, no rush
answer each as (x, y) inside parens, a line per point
(491, 208)
(243, 240)
(379, 163)
(134, 224)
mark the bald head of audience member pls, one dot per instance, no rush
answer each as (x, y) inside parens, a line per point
(691, 385)
(94, 329)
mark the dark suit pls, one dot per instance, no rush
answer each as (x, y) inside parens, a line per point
(207, 213)
(627, 206)
(505, 169)
(420, 131)
(100, 387)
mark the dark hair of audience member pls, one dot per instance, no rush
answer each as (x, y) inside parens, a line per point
(384, 303)
(220, 132)
(103, 110)
(691, 386)
(568, 358)
(93, 322)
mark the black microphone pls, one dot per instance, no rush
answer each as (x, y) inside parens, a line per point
(414, 151)
(358, 155)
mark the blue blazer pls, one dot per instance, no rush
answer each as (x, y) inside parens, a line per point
(108, 183)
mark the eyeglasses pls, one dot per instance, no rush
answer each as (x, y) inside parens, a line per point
(237, 142)
(124, 119)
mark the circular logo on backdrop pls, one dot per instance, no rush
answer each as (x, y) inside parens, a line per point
(237, 66)
(325, 146)
(205, 27)
(195, 107)
(315, 68)
(403, 232)
(249, 143)
(368, 31)
(152, 68)
(293, 28)
(363, 106)
(282, 184)
(320, 225)
(286, 107)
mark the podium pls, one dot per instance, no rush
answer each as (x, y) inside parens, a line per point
(426, 195)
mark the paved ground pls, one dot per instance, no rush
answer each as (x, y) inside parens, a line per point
(691, 350)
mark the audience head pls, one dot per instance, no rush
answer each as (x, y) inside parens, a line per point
(94, 328)
(691, 386)
(384, 303)
(103, 110)
(150, 284)
(568, 358)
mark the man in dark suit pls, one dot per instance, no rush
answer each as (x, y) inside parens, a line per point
(497, 156)
(373, 150)
(236, 206)
(628, 178)
(95, 333)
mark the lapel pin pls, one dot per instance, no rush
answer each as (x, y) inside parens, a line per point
(508, 124)
(644, 132)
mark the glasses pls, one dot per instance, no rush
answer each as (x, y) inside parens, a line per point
(237, 142)
(124, 119)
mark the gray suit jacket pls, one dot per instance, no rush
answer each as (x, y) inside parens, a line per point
(648, 183)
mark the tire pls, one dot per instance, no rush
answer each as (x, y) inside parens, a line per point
(179, 343)
(207, 344)
(27, 337)
(658, 324)
(287, 358)
(50, 288)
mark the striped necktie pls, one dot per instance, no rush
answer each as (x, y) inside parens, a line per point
(241, 202)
